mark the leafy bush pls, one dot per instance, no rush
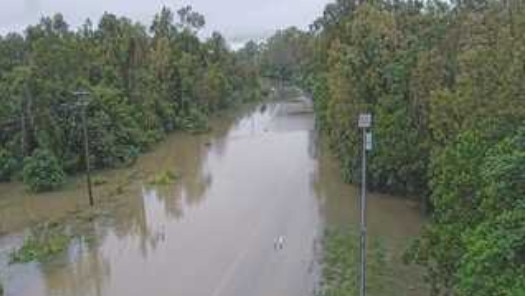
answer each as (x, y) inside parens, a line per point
(42, 171)
(115, 136)
(474, 244)
(7, 165)
(196, 121)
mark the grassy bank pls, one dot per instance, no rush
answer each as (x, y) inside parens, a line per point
(386, 274)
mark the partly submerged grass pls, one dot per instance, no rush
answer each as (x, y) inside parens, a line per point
(341, 263)
(51, 238)
(386, 274)
(44, 241)
(164, 178)
(98, 180)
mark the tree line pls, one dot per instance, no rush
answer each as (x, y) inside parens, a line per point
(143, 82)
(444, 81)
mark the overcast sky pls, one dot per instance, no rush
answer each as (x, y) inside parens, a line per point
(237, 20)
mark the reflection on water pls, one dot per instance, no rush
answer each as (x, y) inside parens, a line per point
(257, 176)
(83, 272)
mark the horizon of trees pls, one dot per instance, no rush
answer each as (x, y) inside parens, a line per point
(144, 81)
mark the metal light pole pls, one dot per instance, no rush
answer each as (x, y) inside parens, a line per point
(364, 122)
(86, 142)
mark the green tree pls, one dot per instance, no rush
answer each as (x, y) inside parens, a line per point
(144, 82)
(42, 171)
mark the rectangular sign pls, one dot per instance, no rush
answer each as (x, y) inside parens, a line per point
(364, 120)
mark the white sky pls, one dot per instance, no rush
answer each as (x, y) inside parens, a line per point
(237, 20)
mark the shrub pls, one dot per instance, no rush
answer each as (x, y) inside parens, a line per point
(474, 245)
(195, 121)
(42, 171)
(7, 165)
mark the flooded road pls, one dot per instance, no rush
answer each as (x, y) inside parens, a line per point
(258, 178)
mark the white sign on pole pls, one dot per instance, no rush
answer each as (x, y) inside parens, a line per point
(368, 141)
(364, 121)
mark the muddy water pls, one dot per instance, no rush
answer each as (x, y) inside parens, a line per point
(260, 175)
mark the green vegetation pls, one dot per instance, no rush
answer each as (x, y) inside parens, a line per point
(7, 165)
(43, 242)
(42, 171)
(475, 244)
(143, 82)
(445, 84)
(284, 54)
(97, 181)
(444, 81)
(164, 178)
(49, 238)
(341, 260)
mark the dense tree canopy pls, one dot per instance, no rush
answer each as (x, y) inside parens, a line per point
(143, 82)
(284, 53)
(445, 84)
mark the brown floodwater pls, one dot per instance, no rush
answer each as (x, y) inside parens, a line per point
(259, 175)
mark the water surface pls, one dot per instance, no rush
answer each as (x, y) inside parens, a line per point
(259, 175)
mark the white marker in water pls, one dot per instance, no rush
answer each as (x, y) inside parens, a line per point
(279, 242)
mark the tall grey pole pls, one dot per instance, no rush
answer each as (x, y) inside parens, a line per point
(364, 122)
(362, 216)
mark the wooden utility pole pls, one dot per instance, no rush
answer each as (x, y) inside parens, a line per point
(84, 106)
(23, 128)
(25, 104)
